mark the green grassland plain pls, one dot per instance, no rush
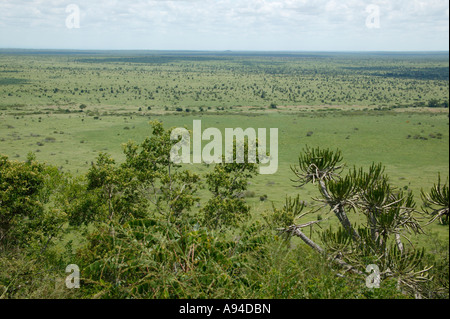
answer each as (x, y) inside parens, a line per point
(373, 107)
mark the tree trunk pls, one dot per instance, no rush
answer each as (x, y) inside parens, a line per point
(340, 213)
(399, 242)
(297, 232)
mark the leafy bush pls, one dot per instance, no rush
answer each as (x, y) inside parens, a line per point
(24, 219)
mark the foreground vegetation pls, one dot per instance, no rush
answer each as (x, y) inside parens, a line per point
(144, 239)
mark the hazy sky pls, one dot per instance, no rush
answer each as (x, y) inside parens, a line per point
(311, 25)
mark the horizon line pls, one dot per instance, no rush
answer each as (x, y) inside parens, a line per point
(222, 50)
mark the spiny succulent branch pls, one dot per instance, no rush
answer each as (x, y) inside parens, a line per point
(317, 165)
(436, 202)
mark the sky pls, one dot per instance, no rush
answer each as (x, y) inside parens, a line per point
(250, 25)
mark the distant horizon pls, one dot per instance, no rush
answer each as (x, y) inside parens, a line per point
(227, 50)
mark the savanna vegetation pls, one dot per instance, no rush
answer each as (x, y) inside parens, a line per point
(194, 80)
(86, 180)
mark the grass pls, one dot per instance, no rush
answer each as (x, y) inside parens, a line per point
(72, 142)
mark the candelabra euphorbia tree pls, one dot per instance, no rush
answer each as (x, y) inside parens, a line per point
(390, 217)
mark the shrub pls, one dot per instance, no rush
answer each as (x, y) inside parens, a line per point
(249, 194)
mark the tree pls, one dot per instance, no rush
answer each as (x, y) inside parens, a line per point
(227, 183)
(147, 183)
(434, 103)
(170, 190)
(25, 190)
(390, 217)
